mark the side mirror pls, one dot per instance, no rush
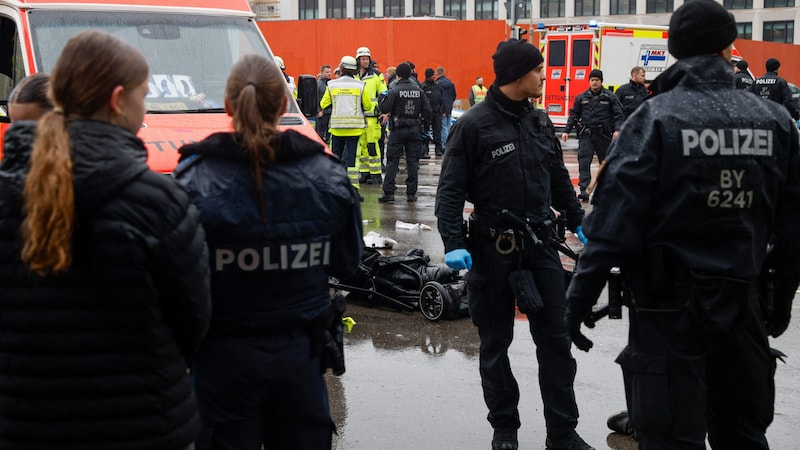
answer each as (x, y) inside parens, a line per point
(307, 95)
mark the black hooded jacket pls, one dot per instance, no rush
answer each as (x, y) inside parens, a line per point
(703, 172)
(270, 275)
(96, 358)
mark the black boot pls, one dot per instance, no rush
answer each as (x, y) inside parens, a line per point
(387, 198)
(620, 422)
(570, 441)
(505, 439)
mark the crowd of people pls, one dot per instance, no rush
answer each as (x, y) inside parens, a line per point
(192, 311)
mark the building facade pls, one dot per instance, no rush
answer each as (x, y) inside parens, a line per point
(760, 20)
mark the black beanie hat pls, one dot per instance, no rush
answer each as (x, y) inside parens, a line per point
(596, 73)
(428, 72)
(773, 65)
(741, 64)
(403, 70)
(700, 27)
(513, 59)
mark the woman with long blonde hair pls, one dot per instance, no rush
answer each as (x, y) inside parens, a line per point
(103, 269)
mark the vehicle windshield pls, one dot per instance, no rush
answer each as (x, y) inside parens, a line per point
(190, 56)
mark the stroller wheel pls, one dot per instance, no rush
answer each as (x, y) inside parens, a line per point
(433, 300)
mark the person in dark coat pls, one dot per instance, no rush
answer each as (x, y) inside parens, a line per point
(504, 158)
(687, 205)
(741, 77)
(432, 128)
(281, 217)
(104, 269)
(634, 93)
(772, 87)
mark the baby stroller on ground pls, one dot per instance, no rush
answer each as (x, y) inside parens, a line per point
(406, 283)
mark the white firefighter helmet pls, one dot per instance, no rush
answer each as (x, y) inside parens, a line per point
(279, 62)
(363, 51)
(348, 62)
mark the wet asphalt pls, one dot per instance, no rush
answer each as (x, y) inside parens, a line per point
(414, 384)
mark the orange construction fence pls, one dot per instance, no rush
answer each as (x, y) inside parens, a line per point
(464, 48)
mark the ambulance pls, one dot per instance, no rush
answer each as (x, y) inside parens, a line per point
(191, 46)
(571, 51)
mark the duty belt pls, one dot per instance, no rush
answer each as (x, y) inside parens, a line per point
(509, 239)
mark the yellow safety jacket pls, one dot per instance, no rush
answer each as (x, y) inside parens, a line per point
(478, 93)
(348, 100)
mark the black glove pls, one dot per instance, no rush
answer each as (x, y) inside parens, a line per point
(779, 320)
(575, 315)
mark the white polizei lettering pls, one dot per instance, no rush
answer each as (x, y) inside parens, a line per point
(727, 142)
(763, 142)
(314, 253)
(690, 140)
(268, 263)
(766, 80)
(248, 259)
(282, 257)
(224, 256)
(300, 251)
(409, 94)
(503, 150)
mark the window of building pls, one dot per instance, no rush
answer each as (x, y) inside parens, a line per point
(553, 8)
(394, 8)
(778, 4)
(485, 10)
(521, 10)
(659, 6)
(621, 7)
(737, 4)
(457, 9)
(745, 30)
(336, 9)
(424, 8)
(779, 31)
(587, 7)
(308, 9)
(364, 8)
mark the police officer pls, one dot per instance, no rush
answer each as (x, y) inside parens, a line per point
(686, 205)
(407, 107)
(369, 151)
(598, 116)
(433, 128)
(741, 77)
(280, 216)
(772, 87)
(503, 156)
(633, 94)
(477, 92)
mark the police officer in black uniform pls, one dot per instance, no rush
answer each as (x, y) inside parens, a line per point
(686, 205)
(633, 94)
(434, 126)
(503, 157)
(772, 87)
(598, 116)
(741, 77)
(408, 107)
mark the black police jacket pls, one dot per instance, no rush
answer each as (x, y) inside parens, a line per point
(630, 96)
(96, 357)
(407, 104)
(600, 110)
(500, 155)
(434, 93)
(270, 261)
(743, 80)
(772, 87)
(701, 172)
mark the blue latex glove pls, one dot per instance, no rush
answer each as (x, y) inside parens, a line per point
(458, 259)
(580, 235)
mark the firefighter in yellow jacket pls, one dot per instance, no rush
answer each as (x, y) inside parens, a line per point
(369, 150)
(349, 100)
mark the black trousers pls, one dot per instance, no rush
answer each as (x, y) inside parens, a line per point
(402, 140)
(682, 382)
(588, 145)
(492, 309)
